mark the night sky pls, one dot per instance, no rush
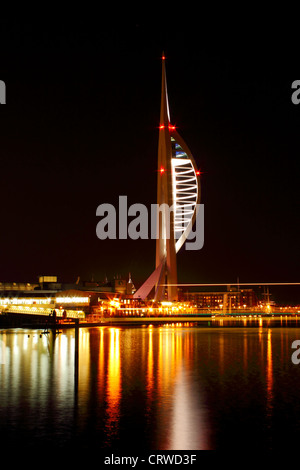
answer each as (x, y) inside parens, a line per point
(80, 128)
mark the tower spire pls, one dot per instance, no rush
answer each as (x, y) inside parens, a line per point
(164, 107)
(177, 199)
(165, 243)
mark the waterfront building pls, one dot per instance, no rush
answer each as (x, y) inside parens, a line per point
(81, 298)
(228, 300)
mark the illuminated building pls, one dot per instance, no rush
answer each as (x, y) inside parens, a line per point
(49, 294)
(178, 187)
(229, 299)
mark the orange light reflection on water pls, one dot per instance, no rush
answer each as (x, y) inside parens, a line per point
(163, 375)
(182, 409)
(113, 389)
(150, 374)
(269, 373)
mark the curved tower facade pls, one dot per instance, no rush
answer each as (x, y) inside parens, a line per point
(178, 193)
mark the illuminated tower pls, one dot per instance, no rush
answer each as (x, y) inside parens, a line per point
(178, 193)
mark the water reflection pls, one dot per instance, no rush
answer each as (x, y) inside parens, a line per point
(269, 374)
(36, 386)
(150, 372)
(113, 383)
(169, 387)
(183, 423)
(189, 427)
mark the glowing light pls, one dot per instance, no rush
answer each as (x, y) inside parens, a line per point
(115, 303)
(25, 301)
(72, 300)
(197, 172)
(45, 311)
(268, 308)
(162, 170)
(163, 57)
(170, 127)
(113, 379)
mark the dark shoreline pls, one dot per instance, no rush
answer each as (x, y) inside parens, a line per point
(42, 322)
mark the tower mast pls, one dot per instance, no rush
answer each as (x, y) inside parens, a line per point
(165, 243)
(178, 199)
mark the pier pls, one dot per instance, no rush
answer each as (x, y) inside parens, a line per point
(23, 320)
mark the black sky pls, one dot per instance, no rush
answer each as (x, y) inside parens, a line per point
(80, 128)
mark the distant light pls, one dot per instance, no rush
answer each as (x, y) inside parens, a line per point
(197, 172)
(24, 301)
(170, 127)
(72, 300)
(162, 170)
(163, 57)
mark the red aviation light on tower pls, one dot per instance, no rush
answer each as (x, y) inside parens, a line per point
(170, 127)
(163, 57)
(198, 172)
(162, 170)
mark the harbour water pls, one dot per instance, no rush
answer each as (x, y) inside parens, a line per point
(168, 387)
